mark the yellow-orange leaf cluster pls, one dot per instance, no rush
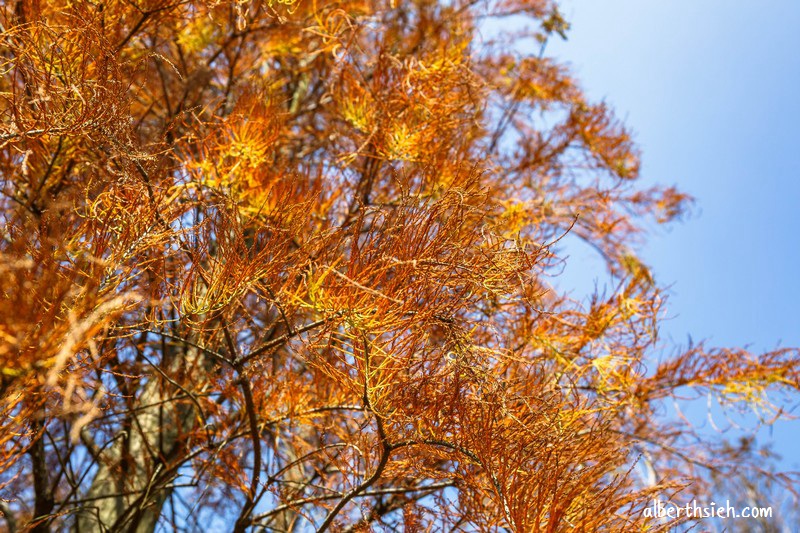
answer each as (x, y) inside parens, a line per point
(289, 266)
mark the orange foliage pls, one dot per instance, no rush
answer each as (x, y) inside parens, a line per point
(288, 265)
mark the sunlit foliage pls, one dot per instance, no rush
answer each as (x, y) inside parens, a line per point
(291, 266)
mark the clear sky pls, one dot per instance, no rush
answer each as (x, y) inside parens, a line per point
(711, 89)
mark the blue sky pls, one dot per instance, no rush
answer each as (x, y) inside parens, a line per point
(712, 91)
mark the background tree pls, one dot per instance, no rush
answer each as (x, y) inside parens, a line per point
(288, 266)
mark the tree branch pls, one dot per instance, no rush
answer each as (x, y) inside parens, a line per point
(280, 340)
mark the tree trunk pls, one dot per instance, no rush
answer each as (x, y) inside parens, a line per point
(128, 491)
